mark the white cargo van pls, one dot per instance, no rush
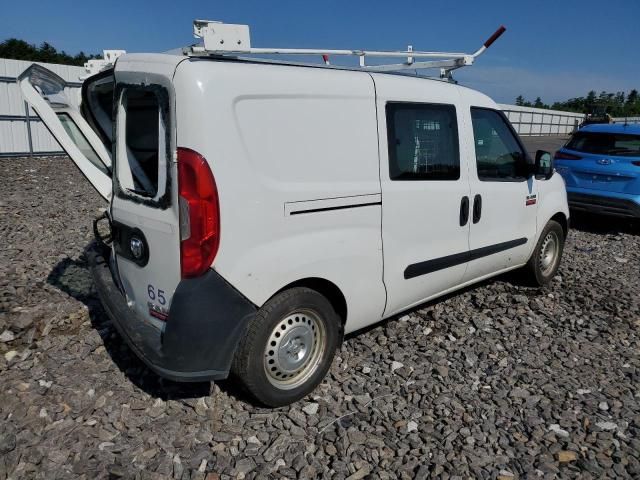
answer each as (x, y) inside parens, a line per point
(259, 210)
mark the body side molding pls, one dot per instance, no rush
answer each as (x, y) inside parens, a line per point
(429, 266)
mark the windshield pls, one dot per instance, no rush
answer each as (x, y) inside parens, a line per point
(621, 144)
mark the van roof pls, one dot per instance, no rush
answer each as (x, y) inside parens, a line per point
(406, 74)
(174, 58)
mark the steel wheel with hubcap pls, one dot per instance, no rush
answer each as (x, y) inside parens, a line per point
(288, 347)
(549, 252)
(545, 260)
(294, 349)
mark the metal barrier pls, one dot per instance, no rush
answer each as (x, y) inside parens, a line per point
(633, 120)
(529, 121)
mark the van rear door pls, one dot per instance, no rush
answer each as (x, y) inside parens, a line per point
(144, 207)
(49, 95)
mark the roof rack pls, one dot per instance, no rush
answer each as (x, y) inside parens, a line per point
(96, 65)
(232, 39)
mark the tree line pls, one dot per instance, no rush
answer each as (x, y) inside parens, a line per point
(20, 50)
(618, 104)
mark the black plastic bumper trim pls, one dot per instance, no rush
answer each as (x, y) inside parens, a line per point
(206, 321)
(603, 205)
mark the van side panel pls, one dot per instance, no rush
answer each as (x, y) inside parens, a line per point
(552, 195)
(294, 152)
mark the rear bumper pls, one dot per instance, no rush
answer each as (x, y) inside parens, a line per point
(620, 206)
(206, 320)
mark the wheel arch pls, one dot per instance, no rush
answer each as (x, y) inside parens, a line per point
(561, 218)
(326, 288)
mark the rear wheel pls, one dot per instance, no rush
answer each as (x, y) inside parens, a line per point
(545, 260)
(288, 348)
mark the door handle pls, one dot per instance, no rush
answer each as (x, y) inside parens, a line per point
(464, 211)
(477, 208)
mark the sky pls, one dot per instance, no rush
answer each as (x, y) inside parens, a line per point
(552, 49)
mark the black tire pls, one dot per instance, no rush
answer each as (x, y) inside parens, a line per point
(537, 272)
(296, 310)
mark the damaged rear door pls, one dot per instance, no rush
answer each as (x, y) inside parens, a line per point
(48, 94)
(144, 207)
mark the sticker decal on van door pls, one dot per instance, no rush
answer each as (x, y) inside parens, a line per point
(158, 312)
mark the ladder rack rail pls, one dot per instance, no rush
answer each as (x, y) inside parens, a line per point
(229, 39)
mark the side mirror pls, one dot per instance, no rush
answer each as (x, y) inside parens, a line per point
(544, 165)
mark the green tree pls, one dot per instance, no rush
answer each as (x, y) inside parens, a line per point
(590, 101)
(616, 104)
(20, 50)
(538, 103)
(632, 105)
(520, 100)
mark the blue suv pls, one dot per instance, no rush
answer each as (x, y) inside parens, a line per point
(601, 168)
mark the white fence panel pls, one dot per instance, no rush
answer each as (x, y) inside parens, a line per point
(13, 135)
(632, 120)
(538, 121)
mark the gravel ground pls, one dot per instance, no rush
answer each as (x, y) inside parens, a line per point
(498, 381)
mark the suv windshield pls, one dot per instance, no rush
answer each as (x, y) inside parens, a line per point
(606, 143)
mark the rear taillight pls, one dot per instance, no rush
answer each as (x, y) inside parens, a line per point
(636, 163)
(565, 156)
(199, 214)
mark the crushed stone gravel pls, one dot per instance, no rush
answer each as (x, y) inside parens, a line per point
(496, 381)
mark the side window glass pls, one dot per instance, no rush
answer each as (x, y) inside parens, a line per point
(81, 141)
(498, 153)
(423, 142)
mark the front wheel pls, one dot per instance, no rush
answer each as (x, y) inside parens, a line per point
(288, 347)
(545, 260)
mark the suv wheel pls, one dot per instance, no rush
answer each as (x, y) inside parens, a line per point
(545, 260)
(288, 347)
